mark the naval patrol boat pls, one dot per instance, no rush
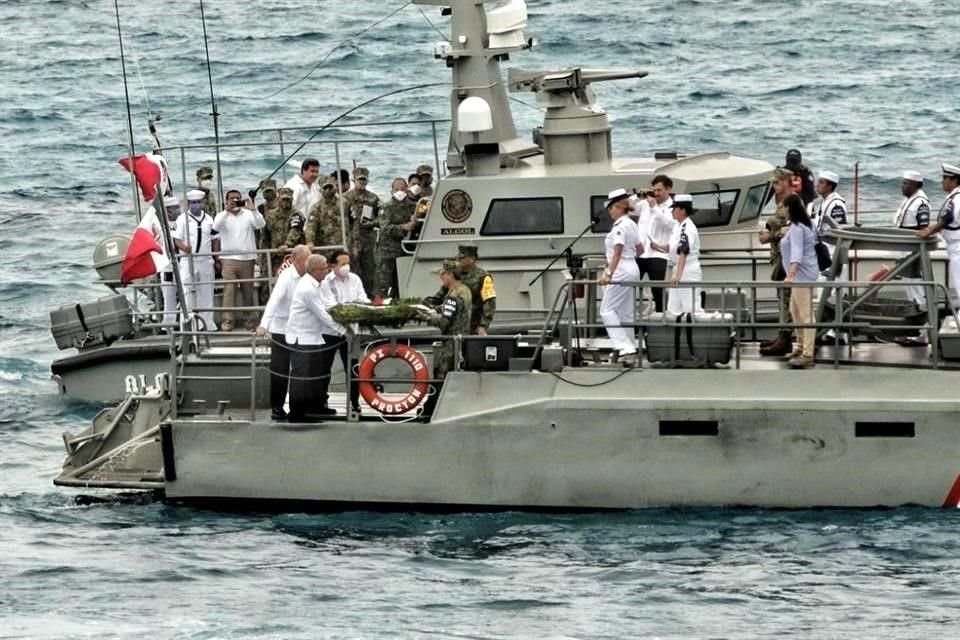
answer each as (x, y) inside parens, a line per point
(544, 419)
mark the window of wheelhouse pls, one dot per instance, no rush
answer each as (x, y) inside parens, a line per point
(756, 198)
(523, 216)
(600, 221)
(714, 208)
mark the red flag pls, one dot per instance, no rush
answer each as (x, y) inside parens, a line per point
(149, 170)
(144, 256)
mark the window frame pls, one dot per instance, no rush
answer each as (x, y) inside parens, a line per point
(733, 207)
(760, 204)
(604, 223)
(484, 227)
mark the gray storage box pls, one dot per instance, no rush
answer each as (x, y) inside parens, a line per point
(91, 323)
(108, 257)
(949, 339)
(703, 338)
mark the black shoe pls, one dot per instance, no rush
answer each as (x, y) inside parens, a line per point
(278, 414)
(325, 411)
(355, 408)
(303, 419)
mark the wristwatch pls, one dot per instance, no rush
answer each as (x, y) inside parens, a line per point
(606, 272)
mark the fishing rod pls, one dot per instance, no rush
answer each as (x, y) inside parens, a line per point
(213, 107)
(126, 93)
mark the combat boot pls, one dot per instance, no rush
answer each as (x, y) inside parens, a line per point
(782, 346)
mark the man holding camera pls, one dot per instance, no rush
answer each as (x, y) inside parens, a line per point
(236, 226)
(656, 225)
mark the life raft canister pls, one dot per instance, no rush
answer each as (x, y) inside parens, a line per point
(416, 394)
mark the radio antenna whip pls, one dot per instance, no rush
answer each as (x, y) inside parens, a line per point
(126, 94)
(213, 107)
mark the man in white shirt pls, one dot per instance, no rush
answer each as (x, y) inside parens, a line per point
(306, 189)
(656, 225)
(195, 235)
(274, 324)
(342, 287)
(305, 326)
(167, 285)
(914, 213)
(238, 245)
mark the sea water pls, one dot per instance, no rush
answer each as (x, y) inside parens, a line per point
(865, 82)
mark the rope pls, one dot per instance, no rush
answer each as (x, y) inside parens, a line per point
(590, 386)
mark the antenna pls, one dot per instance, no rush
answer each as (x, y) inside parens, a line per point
(213, 107)
(126, 94)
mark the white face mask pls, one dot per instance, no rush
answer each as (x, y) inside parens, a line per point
(206, 183)
(343, 270)
(415, 189)
(400, 195)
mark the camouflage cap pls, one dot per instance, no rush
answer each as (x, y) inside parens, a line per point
(329, 181)
(285, 192)
(449, 265)
(204, 172)
(467, 251)
(424, 168)
(268, 184)
(780, 173)
(361, 172)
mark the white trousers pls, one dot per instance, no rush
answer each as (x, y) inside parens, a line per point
(169, 290)
(686, 300)
(199, 294)
(953, 254)
(617, 308)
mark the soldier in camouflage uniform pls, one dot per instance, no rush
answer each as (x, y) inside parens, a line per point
(452, 316)
(205, 184)
(776, 228)
(483, 294)
(277, 216)
(395, 222)
(325, 224)
(425, 172)
(363, 228)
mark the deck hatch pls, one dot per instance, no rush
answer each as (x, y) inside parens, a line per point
(689, 428)
(885, 430)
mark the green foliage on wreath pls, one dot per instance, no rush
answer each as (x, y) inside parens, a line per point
(396, 314)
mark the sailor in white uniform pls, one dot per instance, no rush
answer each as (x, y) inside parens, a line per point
(195, 235)
(684, 251)
(830, 205)
(948, 225)
(167, 285)
(914, 213)
(620, 247)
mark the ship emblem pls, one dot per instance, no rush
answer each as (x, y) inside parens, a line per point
(456, 206)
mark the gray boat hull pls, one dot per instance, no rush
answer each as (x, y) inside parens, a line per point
(775, 438)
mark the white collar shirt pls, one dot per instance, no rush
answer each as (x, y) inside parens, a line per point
(277, 311)
(198, 233)
(343, 291)
(236, 233)
(305, 196)
(656, 224)
(308, 315)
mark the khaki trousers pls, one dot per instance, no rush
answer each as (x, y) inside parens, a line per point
(801, 309)
(233, 270)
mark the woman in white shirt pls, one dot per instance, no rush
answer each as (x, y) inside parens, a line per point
(684, 250)
(619, 301)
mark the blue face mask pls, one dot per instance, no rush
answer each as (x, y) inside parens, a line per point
(173, 213)
(196, 207)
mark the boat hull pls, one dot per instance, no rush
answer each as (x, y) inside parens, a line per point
(829, 438)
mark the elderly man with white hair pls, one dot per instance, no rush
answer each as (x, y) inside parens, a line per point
(308, 316)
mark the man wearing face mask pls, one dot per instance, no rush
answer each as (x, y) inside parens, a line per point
(195, 235)
(169, 288)
(236, 225)
(425, 172)
(205, 184)
(395, 222)
(324, 225)
(364, 208)
(342, 287)
(273, 236)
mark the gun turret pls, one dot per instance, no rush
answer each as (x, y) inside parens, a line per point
(575, 128)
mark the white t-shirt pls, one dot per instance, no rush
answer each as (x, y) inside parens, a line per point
(236, 233)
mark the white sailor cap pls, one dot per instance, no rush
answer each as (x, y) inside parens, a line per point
(912, 176)
(829, 176)
(171, 201)
(615, 196)
(195, 194)
(950, 170)
(681, 198)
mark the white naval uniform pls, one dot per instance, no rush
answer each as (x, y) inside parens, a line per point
(685, 239)
(950, 216)
(169, 287)
(197, 232)
(619, 301)
(914, 213)
(835, 207)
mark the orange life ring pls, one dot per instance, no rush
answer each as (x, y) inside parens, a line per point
(416, 362)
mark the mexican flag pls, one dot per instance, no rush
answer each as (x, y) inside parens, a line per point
(150, 170)
(145, 255)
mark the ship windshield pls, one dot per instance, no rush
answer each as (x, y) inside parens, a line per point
(523, 216)
(754, 203)
(714, 208)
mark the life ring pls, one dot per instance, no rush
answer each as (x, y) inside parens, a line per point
(416, 394)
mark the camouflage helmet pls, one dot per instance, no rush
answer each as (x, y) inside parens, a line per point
(467, 251)
(424, 168)
(284, 192)
(361, 172)
(268, 184)
(330, 181)
(204, 172)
